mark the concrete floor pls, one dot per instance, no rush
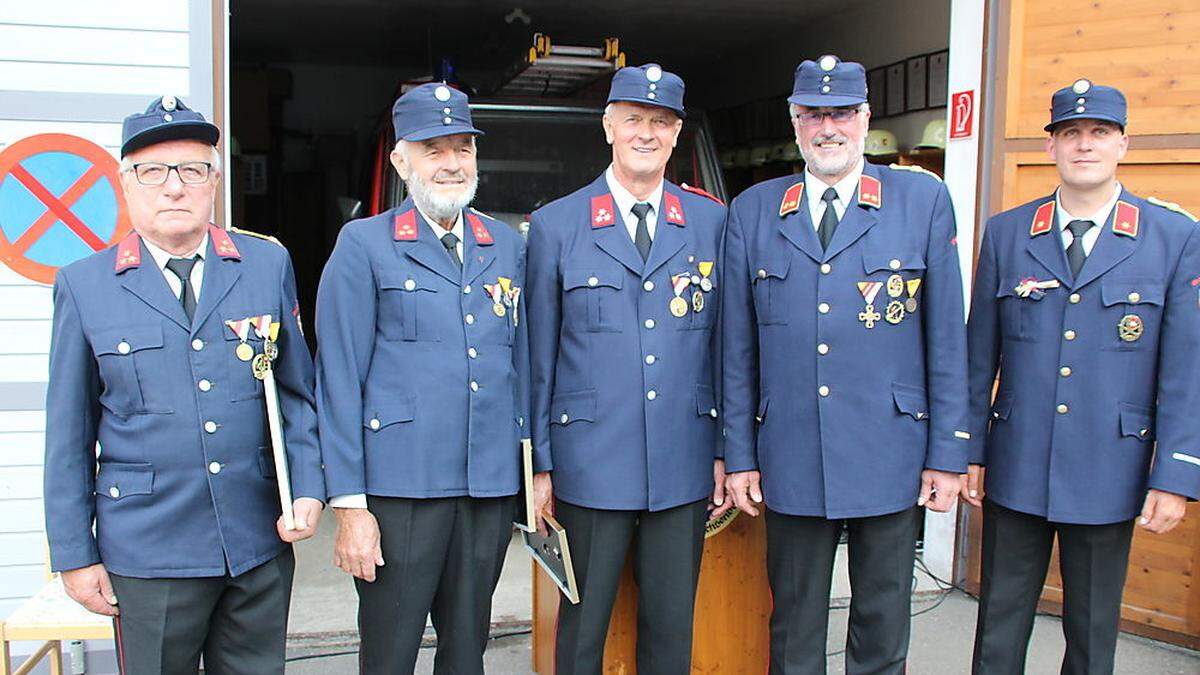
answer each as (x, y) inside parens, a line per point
(324, 606)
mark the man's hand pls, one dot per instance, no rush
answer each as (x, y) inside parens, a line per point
(745, 488)
(939, 489)
(307, 513)
(971, 485)
(720, 502)
(91, 587)
(1161, 512)
(543, 500)
(356, 549)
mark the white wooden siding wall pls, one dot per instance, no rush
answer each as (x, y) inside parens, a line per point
(65, 52)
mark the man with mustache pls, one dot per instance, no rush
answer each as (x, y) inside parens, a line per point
(420, 394)
(844, 373)
(1085, 302)
(624, 279)
(189, 552)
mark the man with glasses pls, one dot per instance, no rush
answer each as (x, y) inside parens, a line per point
(844, 373)
(1085, 304)
(189, 553)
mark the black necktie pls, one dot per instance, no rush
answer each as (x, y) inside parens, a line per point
(451, 243)
(829, 220)
(1075, 253)
(641, 236)
(182, 267)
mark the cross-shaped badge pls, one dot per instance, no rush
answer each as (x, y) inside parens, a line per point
(869, 316)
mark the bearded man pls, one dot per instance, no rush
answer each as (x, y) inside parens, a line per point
(421, 330)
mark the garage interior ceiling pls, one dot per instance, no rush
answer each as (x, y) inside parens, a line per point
(684, 34)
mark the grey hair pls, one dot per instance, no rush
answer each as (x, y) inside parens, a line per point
(793, 108)
(215, 160)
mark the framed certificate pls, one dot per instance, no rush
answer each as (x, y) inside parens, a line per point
(554, 556)
(938, 75)
(895, 89)
(526, 519)
(915, 69)
(877, 90)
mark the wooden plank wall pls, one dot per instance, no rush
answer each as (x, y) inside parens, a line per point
(1150, 49)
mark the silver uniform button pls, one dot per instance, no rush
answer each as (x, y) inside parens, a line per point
(467, 289)
(214, 468)
(410, 285)
(563, 418)
(823, 308)
(474, 385)
(210, 426)
(826, 268)
(123, 347)
(1074, 298)
(197, 344)
(1062, 409)
(1135, 297)
(592, 281)
(114, 492)
(822, 349)
(894, 264)
(762, 274)
(470, 319)
(649, 323)
(712, 412)
(374, 424)
(651, 395)
(204, 385)
(650, 359)
(649, 286)
(471, 352)
(823, 390)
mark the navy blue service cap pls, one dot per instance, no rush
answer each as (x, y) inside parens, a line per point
(1084, 100)
(167, 119)
(432, 110)
(648, 85)
(829, 82)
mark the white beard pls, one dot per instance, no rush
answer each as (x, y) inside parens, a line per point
(835, 166)
(437, 205)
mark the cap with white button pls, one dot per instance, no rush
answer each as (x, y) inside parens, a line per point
(648, 85)
(167, 118)
(1085, 100)
(829, 82)
(432, 110)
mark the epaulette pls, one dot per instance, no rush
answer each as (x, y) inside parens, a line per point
(257, 235)
(702, 193)
(481, 213)
(1171, 206)
(915, 169)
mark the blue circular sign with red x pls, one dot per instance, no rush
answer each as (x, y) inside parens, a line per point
(60, 201)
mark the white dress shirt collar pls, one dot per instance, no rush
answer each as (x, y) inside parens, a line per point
(625, 202)
(814, 189)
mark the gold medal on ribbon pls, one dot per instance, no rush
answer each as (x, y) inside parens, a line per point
(895, 286)
(698, 301)
(894, 313)
(1131, 328)
(498, 309)
(244, 351)
(869, 290)
(911, 303)
(705, 268)
(260, 366)
(678, 305)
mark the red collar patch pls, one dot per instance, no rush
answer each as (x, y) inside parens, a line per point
(870, 192)
(791, 200)
(223, 243)
(1126, 220)
(1042, 219)
(129, 252)
(603, 211)
(482, 236)
(404, 226)
(674, 209)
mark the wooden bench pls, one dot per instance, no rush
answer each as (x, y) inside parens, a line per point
(50, 617)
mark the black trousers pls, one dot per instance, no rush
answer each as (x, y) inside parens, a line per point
(667, 547)
(800, 555)
(1016, 553)
(442, 559)
(238, 623)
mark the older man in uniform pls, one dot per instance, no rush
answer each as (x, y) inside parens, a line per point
(623, 275)
(844, 370)
(421, 383)
(1085, 301)
(190, 554)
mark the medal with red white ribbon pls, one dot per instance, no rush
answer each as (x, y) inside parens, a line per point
(869, 290)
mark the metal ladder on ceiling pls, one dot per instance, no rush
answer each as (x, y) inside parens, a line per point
(552, 70)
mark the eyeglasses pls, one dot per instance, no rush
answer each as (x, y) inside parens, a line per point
(154, 173)
(812, 118)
